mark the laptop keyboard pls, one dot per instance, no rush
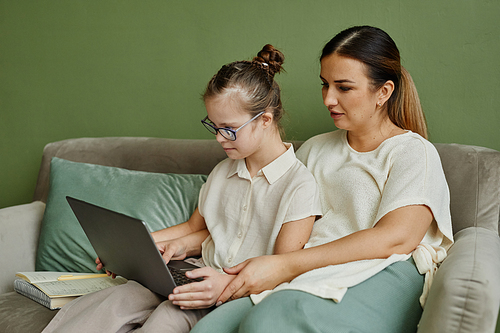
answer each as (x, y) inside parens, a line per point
(180, 277)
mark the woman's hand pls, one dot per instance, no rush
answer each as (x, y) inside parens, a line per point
(200, 295)
(255, 275)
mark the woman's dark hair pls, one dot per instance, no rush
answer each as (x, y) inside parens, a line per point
(255, 80)
(376, 49)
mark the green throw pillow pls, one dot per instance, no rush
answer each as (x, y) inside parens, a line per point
(160, 200)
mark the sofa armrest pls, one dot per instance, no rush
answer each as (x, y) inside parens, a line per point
(465, 294)
(19, 233)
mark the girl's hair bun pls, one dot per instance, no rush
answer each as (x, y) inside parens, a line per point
(271, 59)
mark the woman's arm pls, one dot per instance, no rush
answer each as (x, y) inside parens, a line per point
(195, 223)
(399, 231)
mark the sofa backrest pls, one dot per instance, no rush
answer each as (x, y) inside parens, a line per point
(134, 153)
(473, 173)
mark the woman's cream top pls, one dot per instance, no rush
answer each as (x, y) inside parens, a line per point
(357, 189)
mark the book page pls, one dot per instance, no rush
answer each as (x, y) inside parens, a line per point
(78, 287)
(36, 277)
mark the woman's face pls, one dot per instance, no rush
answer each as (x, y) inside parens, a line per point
(225, 111)
(348, 94)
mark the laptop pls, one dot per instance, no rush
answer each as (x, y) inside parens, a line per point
(126, 248)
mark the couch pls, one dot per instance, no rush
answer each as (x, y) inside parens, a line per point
(465, 294)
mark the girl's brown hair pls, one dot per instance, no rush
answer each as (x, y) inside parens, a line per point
(255, 79)
(376, 49)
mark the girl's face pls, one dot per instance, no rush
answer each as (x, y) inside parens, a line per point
(225, 111)
(348, 94)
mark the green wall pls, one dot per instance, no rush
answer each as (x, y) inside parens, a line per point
(86, 68)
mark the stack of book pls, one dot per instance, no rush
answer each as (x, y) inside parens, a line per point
(54, 289)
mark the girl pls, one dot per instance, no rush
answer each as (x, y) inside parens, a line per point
(384, 196)
(260, 201)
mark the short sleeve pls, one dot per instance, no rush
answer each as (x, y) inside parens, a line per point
(304, 201)
(416, 177)
(205, 188)
(201, 199)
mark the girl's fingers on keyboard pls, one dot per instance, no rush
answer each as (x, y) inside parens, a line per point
(201, 272)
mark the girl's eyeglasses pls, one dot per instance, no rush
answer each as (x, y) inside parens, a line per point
(227, 133)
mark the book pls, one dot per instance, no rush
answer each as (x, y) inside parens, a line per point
(54, 289)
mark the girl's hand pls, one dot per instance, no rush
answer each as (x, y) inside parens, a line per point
(172, 249)
(255, 275)
(200, 295)
(101, 266)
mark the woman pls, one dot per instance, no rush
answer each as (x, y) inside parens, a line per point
(384, 198)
